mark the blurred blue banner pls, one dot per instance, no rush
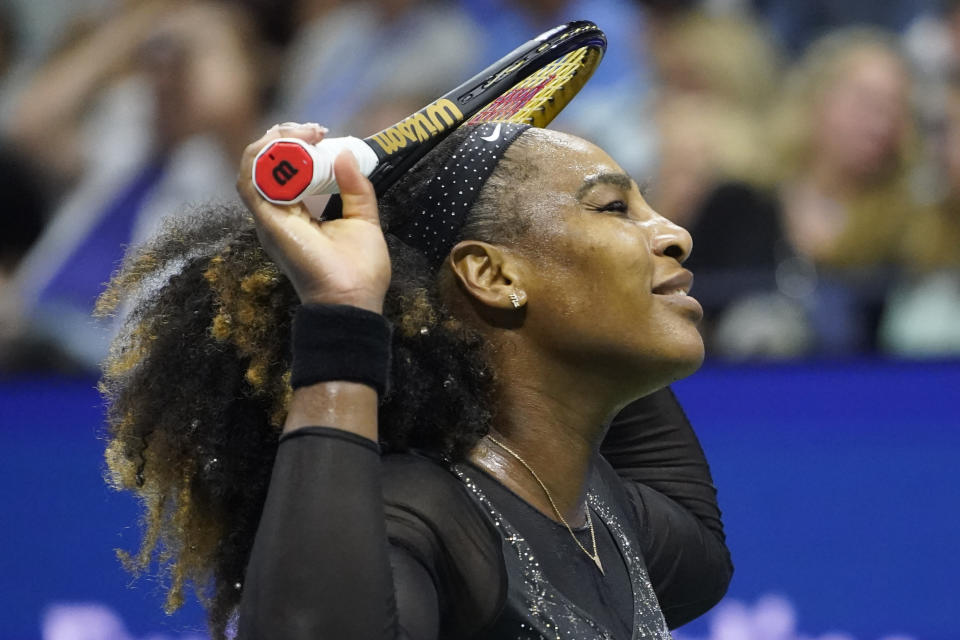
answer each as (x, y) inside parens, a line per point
(836, 479)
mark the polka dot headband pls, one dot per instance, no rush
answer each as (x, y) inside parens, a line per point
(441, 209)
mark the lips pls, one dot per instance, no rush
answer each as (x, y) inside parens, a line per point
(675, 291)
(679, 284)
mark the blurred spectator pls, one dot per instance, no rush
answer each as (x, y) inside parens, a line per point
(84, 77)
(701, 141)
(933, 44)
(797, 24)
(504, 23)
(797, 225)
(729, 57)
(922, 317)
(846, 145)
(144, 114)
(20, 185)
(23, 193)
(822, 239)
(348, 57)
(394, 67)
(22, 222)
(619, 87)
(8, 39)
(716, 76)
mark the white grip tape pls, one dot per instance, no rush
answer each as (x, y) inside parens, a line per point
(323, 155)
(326, 151)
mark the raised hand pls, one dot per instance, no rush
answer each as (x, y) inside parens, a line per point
(343, 261)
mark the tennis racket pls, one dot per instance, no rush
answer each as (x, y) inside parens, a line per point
(531, 85)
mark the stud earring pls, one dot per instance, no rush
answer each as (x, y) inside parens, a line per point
(515, 299)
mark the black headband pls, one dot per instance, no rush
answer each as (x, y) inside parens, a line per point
(440, 210)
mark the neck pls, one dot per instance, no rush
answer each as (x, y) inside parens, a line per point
(554, 419)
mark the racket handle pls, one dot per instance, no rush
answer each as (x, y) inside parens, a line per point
(288, 169)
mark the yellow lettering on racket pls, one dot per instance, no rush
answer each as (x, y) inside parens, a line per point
(443, 110)
(416, 128)
(419, 127)
(384, 142)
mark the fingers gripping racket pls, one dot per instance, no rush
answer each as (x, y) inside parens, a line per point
(531, 85)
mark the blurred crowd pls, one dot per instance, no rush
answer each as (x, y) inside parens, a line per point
(812, 148)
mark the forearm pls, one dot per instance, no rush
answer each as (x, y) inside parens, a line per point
(654, 450)
(652, 443)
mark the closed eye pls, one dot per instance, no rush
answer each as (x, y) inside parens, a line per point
(617, 206)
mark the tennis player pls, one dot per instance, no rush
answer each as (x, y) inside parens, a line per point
(479, 441)
(442, 415)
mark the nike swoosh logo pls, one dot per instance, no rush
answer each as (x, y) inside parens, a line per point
(493, 136)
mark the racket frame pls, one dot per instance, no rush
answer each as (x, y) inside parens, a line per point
(459, 105)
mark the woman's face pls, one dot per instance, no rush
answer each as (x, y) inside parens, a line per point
(602, 270)
(861, 118)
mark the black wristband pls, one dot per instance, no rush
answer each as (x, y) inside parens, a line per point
(339, 342)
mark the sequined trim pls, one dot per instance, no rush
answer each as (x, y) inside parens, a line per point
(557, 618)
(645, 603)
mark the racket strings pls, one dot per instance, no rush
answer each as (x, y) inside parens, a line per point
(537, 99)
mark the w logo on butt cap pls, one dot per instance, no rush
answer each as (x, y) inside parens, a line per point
(284, 171)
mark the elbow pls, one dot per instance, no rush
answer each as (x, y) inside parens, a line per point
(709, 587)
(720, 581)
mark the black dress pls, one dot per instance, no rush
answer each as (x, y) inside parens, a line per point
(355, 545)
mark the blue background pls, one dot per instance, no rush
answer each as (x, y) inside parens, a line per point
(836, 480)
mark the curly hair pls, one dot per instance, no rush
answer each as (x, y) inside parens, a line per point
(198, 380)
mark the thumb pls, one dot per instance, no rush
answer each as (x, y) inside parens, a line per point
(359, 198)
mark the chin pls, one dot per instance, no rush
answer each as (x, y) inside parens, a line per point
(684, 360)
(690, 366)
(663, 369)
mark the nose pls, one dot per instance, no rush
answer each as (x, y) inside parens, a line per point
(671, 240)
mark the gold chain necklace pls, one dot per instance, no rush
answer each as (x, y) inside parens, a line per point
(593, 539)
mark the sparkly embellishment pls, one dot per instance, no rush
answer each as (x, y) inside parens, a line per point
(555, 616)
(420, 229)
(645, 603)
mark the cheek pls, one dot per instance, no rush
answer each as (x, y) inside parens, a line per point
(596, 273)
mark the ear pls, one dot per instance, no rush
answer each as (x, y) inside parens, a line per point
(487, 273)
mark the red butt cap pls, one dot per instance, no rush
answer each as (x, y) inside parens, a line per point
(283, 171)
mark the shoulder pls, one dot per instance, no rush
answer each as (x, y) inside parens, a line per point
(431, 516)
(419, 480)
(423, 494)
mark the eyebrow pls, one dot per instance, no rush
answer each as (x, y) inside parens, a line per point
(621, 180)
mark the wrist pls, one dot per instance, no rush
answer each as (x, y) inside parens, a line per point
(349, 406)
(372, 305)
(360, 299)
(340, 343)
